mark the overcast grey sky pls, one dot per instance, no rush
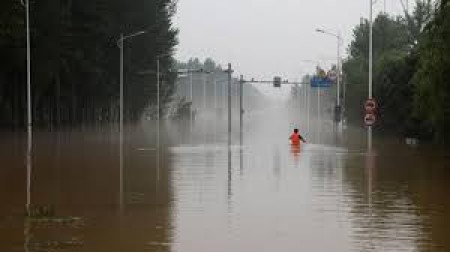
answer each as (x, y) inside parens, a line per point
(263, 38)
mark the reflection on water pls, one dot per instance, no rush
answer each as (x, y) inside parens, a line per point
(263, 195)
(75, 193)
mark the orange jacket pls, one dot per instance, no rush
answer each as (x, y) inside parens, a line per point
(295, 138)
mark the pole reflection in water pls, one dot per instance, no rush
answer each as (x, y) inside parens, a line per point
(241, 160)
(121, 182)
(370, 167)
(230, 175)
(356, 197)
(27, 225)
(29, 169)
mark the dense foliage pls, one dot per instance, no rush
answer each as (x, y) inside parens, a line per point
(75, 59)
(432, 80)
(411, 59)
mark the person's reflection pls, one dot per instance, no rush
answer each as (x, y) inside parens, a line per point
(296, 149)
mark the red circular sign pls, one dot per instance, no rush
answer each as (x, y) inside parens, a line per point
(370, 119)
(370, 106)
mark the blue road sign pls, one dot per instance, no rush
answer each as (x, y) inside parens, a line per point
(321, 82)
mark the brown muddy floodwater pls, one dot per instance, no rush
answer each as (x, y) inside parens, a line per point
(266, 196)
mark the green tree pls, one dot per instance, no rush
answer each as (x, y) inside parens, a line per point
(432, 81)
(395, 62)
(75, 59)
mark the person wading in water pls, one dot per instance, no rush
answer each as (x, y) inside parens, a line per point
(296, 138)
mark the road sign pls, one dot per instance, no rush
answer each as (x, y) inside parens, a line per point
(321, 82)
(370, 119)
(370, 106)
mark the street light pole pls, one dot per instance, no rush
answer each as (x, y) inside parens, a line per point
(339, 71)
(204, 91)
(369, 130)
(29, 123)
(26, 4)
(241, 110)
(120, 45)
(121, 122)
(157, 88)
(229, 104)
(192, 102)
(158, 118)
(370, 49)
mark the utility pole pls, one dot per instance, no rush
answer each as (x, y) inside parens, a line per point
(121, 124)
(229, 104)
(241, 110)
(192, 102)
(204, 91)
(369, 130)
(318, 116)
(339, 71)
(26, 4)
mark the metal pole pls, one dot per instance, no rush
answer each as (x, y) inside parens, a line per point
(304, 103)
(121, 123)
(215, 95)
(338, 102)
(157, 96)
(308, 107)
(215, 104)
(370, 50)
(215, 109)
(192, 101)
(29, 113)
(241, 110)
(229, 104)
(224, 91)
(318, 116)
(369, 130)
(204, 91)
(158, 115)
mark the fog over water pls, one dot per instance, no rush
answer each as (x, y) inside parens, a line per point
(192, 177)
(196, 193)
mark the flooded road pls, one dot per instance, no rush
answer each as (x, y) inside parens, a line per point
(205, 196)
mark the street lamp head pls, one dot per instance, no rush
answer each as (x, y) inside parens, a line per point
(164, 55)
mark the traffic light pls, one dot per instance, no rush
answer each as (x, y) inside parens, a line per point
(277, 82)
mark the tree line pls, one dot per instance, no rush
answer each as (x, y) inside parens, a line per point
(411, 71)
(75, 59)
